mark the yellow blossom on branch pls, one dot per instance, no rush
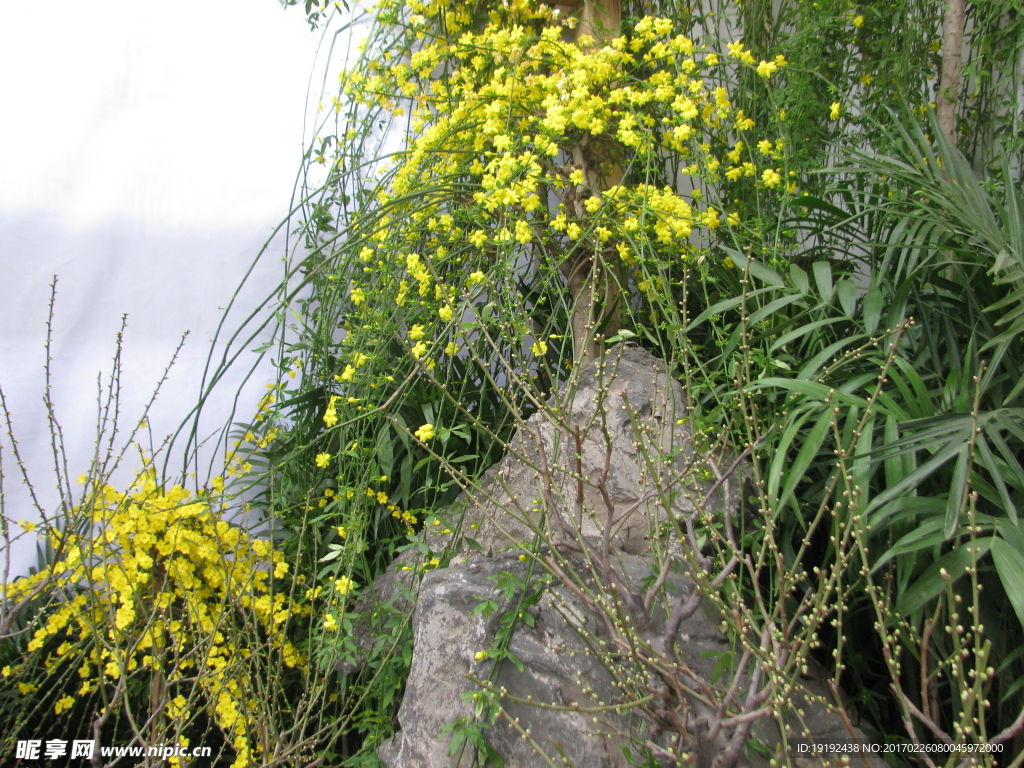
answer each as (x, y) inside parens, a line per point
(344, 585)
(331, 414)
(771, 178)
(166, 575)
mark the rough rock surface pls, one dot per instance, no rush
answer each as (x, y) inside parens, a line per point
(629, 420)
(605, 450)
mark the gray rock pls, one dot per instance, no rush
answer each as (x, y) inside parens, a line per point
(557, 670)
(635, 468)
(628, 419)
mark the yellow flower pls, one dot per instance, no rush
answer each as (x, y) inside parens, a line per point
(474, 278)
(858, 21)
(416, 332)
(330, 623)
(445, 313)
(480, 655)
(65, 703)
(523, 232)
(771, 178)
(425, 433)
(344, 585)
(539, 348)
(835, 110)
(576, 177)
(767, 68)
(323, 459)
(331, 414)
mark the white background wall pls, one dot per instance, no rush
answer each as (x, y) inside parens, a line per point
(146, 152)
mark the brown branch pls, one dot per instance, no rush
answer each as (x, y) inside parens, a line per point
(1012, 730)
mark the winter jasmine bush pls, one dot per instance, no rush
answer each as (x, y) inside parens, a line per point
(560, 185)
(552, 189)
(158, 589)
(155, 617)
(567, 178)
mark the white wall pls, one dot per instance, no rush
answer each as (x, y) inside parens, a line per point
(147, 150)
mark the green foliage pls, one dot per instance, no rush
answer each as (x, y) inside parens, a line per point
(494, 191)
(821, 302)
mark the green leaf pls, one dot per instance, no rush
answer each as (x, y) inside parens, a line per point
(912, 387)
(772, 307)
(994, 468)
(810, 369)
(803, 330)
(725, 306)
(386, 452)
(909, 510)
(790, 432)
(795, 472)
(894, 466)
(799, 278)
(1009, 562)
(862, 462)
(823, 279)
(458, 737)
(873, 301)
(756, 268)
(925, 536)
(957, 497)
(913, 479)
(846, 290)
(930, 583)
(810, 388)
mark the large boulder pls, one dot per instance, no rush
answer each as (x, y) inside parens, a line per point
(568, 518)
(558, 703)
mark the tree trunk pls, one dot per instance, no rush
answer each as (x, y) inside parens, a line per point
(953, 24)
(593, 281)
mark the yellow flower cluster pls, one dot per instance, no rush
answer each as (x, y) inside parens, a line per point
(520, 138)
(166, 581)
